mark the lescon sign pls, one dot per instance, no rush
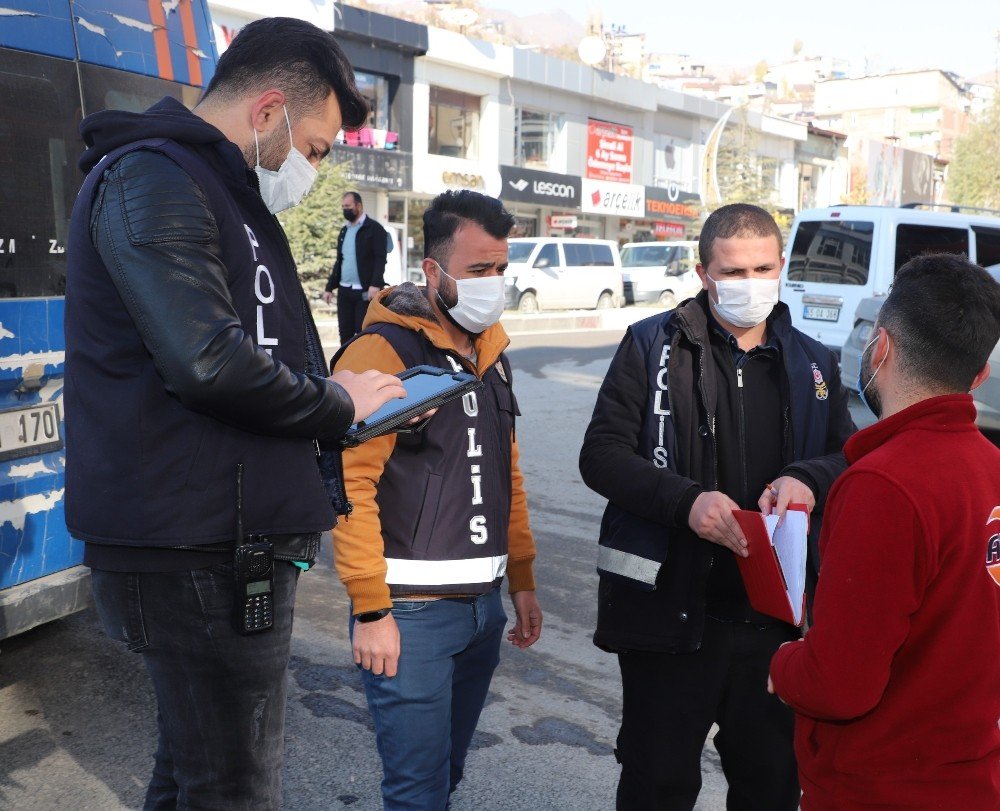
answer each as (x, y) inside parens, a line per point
(463, 180)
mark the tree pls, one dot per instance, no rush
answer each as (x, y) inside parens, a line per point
(313, 225)
(743, 175)
(974, 174)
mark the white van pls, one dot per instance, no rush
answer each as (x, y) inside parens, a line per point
(660, 273)
(838, 256)
(562, 273)
(986, 397)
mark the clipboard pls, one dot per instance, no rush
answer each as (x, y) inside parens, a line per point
(427, 387)
(774, 572)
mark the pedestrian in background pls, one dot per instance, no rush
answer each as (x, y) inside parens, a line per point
(896, 686)
(358, 274)
(196, 394)
(717, 405)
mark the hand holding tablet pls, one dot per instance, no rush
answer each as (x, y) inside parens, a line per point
(427, 388)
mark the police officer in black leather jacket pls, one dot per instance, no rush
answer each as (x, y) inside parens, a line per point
(197, 398)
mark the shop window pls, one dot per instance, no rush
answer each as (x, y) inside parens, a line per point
(453, 124)
(376, 90)
(535, 137)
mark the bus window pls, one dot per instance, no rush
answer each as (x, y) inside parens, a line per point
(108, 89)
(39, 146)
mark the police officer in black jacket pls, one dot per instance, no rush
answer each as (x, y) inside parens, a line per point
(359, 272)
(717, 405)
(194, 375)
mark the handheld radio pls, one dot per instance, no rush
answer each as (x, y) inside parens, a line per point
(253, 565)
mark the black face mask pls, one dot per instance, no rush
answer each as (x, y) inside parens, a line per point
(866, 377)
(350, 214)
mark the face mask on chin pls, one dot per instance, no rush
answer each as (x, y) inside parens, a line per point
(480, 302)
(285, 187)
(869, 394)
(745, 302)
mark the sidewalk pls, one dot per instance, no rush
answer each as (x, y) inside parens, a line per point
(524, 323)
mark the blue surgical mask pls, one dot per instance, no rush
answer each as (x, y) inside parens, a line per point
(874, 400)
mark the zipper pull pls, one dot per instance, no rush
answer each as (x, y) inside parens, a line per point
(316, 446)
(739, 378)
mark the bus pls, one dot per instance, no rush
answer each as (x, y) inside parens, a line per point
(61, 60)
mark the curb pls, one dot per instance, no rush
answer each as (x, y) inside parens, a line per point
(566, 321)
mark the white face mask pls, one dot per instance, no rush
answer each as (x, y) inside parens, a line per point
(286, 187)
(480, 302)
(745, 302)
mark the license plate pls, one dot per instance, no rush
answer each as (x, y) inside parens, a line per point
(822, 313)
(29, 430)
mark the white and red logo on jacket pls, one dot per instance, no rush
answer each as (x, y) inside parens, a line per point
(993, 546)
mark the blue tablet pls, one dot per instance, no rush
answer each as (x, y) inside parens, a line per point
(427, 387)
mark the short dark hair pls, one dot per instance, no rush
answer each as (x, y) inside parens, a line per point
(736, 220)
(449, 210)
(305, 62)
(943, 314)
(354, 196)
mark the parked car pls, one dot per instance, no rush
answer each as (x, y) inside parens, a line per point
(659, 273)
(562, 273)
(839, 256)
(986, 396)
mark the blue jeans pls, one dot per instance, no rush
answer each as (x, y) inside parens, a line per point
(426, 714)
(220, 695)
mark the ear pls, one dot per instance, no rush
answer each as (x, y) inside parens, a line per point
(431, 271)
(266, 109)
(979, 378)
(702, 274)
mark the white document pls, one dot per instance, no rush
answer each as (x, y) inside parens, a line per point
(789, 542)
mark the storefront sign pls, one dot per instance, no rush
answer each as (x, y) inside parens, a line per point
(463, 180)
(672, 202)
(375, 168)
(602, 197)
(539, 188)
(434, 174)
(609, 151)
(668, 229)
(562, 221)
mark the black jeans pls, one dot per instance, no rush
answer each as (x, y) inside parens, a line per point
(351, 310)
(669, 704)
(220, 695)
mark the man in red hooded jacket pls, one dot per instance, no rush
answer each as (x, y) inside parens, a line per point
(896, 687)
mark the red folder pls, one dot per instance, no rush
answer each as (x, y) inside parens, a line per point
(773, 588)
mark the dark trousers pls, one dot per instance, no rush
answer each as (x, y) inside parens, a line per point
(220, 695)
(669, 704)
(351, 310)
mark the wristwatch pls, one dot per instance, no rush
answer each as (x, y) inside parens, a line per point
(373, 616)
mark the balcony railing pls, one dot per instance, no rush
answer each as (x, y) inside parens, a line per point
(370, 138)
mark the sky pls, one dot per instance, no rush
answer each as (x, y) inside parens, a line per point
(954, 35)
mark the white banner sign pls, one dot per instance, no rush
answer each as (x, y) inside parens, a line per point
(619, 199)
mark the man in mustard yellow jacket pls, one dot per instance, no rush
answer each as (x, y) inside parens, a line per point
(440, 513)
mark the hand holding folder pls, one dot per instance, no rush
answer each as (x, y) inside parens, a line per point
(774, 572)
